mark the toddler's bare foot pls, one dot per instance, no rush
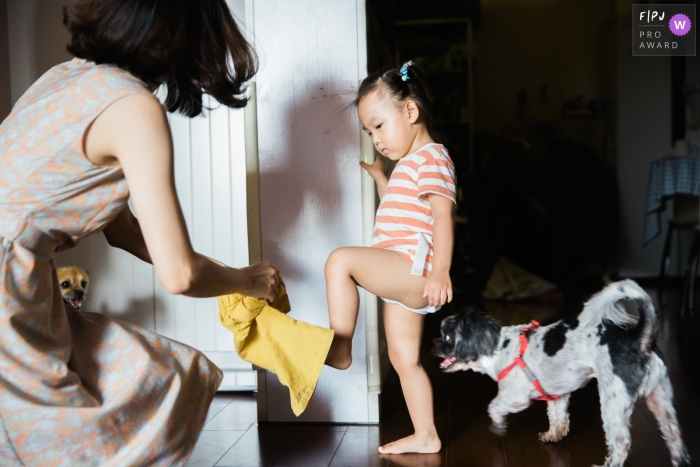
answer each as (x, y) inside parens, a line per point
(413, 443)
(338, 357)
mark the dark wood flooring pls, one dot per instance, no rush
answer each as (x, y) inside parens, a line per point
(231, 436)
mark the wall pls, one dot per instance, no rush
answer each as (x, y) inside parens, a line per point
(310, 179)
(5, 87)
(644, 134)
(638, 148)
(37, 39)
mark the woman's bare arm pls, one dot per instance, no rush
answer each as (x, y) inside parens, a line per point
(134, 133)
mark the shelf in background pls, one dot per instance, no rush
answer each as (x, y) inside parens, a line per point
(443, 48)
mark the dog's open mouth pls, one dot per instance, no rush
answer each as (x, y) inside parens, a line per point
(75, 303)
(448, 362)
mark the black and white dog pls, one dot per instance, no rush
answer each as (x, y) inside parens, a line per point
(603, 342)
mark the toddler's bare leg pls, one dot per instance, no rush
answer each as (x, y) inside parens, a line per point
(403, 331)
(384, 273)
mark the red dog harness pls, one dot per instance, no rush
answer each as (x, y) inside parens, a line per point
(521, 363)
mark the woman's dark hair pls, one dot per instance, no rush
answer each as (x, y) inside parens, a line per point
(193, 46)
(391, 81)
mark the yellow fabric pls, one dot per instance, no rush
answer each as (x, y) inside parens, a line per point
(265, 336)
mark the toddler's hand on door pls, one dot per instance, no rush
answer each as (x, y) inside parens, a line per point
(438, 288)
(376, 170)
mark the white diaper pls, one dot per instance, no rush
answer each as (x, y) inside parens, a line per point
(421, 311)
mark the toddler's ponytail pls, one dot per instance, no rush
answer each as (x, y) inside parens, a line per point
(401, 84)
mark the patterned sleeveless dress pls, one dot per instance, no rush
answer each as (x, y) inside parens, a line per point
(79, 389)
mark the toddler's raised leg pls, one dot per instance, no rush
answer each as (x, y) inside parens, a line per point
(343, 305)
(383, 272)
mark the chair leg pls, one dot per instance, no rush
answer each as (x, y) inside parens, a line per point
(691, 292)
(665, 268)
(689, 280)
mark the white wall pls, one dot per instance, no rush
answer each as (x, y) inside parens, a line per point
(37, 39)
(644, 134)
(310, 179)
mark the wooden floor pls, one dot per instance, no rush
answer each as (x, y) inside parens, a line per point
(231, 436)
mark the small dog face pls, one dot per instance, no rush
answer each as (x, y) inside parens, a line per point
(466, 337)
(73, 282)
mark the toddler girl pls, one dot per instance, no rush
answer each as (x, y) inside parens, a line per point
(409, 262)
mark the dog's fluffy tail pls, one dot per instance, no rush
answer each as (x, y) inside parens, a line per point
(605, 306)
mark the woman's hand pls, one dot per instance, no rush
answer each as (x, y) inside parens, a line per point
(377, 170)
(438, 288)
(264, 280)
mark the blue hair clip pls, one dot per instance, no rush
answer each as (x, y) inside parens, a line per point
(404, 70)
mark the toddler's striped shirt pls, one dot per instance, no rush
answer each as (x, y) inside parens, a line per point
(404, 212)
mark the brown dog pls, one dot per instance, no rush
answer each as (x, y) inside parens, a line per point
(74, 284)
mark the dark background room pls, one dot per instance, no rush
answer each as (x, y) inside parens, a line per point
(554, 127)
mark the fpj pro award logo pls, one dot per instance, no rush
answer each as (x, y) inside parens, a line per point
(663, 30)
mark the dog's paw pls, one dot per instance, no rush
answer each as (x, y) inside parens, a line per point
(498, 429)
(547, 437)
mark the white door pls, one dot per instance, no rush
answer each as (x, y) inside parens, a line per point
(313, 52)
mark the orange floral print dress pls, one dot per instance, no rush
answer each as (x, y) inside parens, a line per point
(79, 389)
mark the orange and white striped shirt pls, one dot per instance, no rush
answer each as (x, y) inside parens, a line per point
(404, 212)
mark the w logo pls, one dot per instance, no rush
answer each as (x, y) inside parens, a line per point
(679, 24)
(662, 29)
